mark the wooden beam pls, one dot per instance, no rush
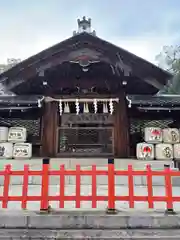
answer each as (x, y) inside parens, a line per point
(45, 63)
(134, 113)
(49, 129)
(153, 82)
(121, 128)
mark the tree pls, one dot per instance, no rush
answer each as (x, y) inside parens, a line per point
(11, 62)
(169, 59)
(173, 86)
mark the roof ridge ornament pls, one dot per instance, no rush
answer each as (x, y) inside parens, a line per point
(84, 25)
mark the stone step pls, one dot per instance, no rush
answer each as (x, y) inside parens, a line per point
(88, 220)
(15, 234)
(83, 225)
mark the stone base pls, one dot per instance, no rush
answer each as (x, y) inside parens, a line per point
(148, 234)
(86, 225)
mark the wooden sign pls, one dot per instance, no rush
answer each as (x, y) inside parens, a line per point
(67, 119)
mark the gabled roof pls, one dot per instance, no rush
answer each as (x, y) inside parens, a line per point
(139, 66)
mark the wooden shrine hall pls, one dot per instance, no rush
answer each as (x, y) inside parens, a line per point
(83, 97)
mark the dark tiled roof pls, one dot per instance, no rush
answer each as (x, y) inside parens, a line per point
(158, 100)
(145, 68)
(19, 100)
(137, 100)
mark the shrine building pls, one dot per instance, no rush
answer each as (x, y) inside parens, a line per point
(85, 97)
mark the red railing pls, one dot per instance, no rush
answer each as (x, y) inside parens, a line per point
(111, 198)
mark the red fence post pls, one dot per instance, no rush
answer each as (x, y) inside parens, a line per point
(78, 186)
(149, 186)
(7, 172)
(25, 187)
(62, 186)
(94, 187)
(131, 186)
(168, 189)
(111, 187)
(45, 186)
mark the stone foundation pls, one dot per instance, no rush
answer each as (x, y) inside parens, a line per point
(86, 225)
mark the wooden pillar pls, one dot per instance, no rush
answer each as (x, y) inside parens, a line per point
(121, 129)
(49, 129)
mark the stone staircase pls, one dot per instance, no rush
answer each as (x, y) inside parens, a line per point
(88, 225)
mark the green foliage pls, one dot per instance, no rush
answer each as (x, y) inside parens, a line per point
(173, 87)
(169, 59)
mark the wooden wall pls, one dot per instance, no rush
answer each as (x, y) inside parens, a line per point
(121, 129)
(49, 129)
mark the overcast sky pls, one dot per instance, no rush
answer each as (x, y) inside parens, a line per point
(140, 26)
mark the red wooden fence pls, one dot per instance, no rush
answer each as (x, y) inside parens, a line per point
(111, 198)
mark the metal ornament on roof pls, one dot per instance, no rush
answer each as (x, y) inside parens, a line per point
(129, 101)
(84, 61)
(39, 103)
